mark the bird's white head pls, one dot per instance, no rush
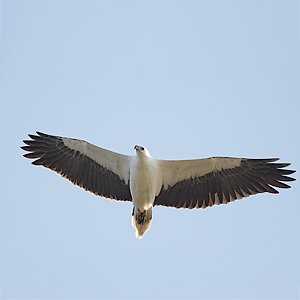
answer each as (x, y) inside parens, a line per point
(141, 150)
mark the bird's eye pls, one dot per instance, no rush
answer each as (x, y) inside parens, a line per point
(142, 148)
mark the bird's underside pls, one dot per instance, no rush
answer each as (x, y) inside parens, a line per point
(147, 181)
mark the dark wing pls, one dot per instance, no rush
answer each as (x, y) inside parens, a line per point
(95, 169)
(218, 180)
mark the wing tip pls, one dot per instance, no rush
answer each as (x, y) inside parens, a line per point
(272, 159)
(37, 162)
(33, 137)
(42, 134)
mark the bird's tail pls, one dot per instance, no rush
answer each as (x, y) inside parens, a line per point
(141, 221)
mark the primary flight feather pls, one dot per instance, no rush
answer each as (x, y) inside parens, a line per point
(147, 181)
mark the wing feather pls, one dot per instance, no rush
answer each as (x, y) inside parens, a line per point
(218, 180)
(102, 172)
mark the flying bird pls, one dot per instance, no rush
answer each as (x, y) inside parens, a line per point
(147, 181)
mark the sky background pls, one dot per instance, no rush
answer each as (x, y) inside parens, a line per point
(186, 79)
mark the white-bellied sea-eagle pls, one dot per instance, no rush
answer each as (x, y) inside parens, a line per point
(147, 181)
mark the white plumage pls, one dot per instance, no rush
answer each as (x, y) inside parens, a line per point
(147, 181)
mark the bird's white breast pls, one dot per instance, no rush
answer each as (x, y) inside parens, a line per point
(145, 181)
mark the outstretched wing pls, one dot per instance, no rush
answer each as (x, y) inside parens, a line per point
(95, 169)
(218, 180)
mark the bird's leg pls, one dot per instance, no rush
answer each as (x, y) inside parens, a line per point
(141, 217)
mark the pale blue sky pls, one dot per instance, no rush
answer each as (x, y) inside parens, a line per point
(186, 79)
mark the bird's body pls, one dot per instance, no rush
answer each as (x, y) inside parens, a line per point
(145, 184)
(147, 181)
(144, 180)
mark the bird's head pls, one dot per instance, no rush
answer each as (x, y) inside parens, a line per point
(141, 150)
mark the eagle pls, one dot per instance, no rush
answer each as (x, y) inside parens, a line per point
(147, 181)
